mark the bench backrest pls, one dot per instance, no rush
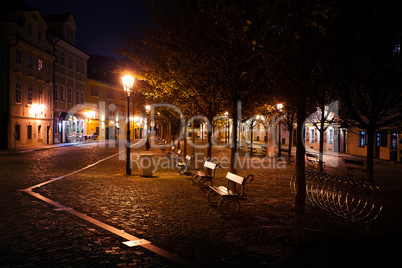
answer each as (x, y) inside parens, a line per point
(231, 177)
(311, 155)
(210, 168)
(353, 162)
(209, 165)
(235, 178)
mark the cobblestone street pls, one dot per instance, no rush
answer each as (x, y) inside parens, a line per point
(174, 215)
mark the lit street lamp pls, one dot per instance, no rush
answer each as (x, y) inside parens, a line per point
(128, 82)
(147, 108)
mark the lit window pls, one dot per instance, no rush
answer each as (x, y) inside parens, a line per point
(312, 131)
(331, 136)
(362, 138)
(40, 65)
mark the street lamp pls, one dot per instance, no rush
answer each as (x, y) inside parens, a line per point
(147, 108)
(128, 82)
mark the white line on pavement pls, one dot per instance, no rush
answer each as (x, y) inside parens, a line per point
(131, 240)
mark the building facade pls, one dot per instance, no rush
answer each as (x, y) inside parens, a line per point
(27, 78)
(70, 80)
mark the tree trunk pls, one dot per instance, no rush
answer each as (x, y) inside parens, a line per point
(185, 140)
(233, 150)
(321, 130)
(251, 139)
(370, 154)
(209, 140)
(298, 233)
(290, 144)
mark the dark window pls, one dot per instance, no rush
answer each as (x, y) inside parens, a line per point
(17, 132)
(62, 93)
(30, 94)
(18, 93)
(18, 56)
(56, 92)
(70, 95)
(384, 139)
(29, 132)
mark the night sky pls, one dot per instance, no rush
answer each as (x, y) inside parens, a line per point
(99, 23)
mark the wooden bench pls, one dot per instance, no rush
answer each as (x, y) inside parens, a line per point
(184, 166)
(353, 165)
(172, 149)
(163, 145)
(285, 153)
(204, 178)
(313, 159)
(175, 155)
(228, 200)
(264, 150)
(251, 149)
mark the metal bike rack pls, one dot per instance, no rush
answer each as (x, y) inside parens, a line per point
(357, 201)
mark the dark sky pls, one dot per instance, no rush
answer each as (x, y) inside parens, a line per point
(99, 22)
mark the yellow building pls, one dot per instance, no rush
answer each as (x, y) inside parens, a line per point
(106, 95)
(70, 81)
(27, 79)
(387, 144)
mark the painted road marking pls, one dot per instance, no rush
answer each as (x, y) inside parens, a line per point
(132, 240)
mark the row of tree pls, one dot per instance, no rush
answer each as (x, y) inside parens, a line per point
(208, 56)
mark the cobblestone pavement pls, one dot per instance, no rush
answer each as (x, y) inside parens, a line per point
(173, 214)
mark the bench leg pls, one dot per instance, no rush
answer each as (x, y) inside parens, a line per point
(194, 179)
(350, 172)
(229, 206)
(213, 197)
(204, 183)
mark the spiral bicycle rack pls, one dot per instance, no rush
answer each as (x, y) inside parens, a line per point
(357, 201)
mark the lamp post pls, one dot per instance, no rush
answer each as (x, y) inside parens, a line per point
(128, 82)
(147, 108)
